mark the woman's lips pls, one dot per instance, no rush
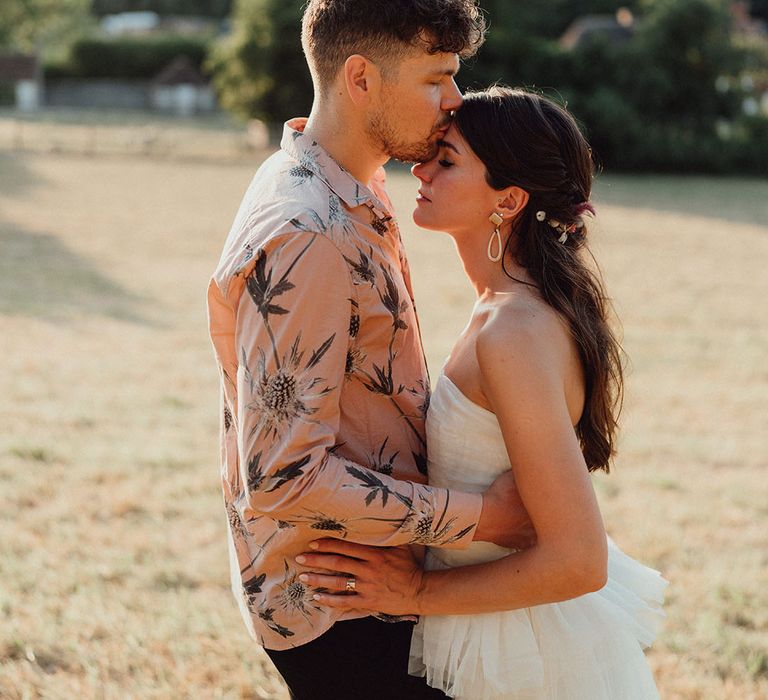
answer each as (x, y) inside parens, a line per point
(422, 197)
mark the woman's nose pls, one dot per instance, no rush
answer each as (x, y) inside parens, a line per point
(420, 171)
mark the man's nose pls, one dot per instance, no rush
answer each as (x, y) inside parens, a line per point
(453, 98)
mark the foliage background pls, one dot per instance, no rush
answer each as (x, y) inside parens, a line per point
(204, 8)
(669, 99)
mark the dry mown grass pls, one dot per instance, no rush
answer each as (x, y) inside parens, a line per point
(113, 579)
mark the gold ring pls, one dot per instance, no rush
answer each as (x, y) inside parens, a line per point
(350, 586)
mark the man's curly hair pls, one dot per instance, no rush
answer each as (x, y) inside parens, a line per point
(385, 30)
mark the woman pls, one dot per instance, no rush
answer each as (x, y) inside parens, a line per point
(533, 384)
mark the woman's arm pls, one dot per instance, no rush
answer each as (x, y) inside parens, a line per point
(524, 372)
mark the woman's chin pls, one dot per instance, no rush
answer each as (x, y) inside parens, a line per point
(421, 218)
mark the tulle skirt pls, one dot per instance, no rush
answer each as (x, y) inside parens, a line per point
(587, 648)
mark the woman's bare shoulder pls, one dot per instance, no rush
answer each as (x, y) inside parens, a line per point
(522, 328)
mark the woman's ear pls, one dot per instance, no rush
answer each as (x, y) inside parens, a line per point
(512, 203)
(361, 78)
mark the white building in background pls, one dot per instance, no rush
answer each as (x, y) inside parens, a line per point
(23, 72)
(130, 23)
(152, 23)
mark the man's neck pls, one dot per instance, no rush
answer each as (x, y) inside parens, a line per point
(346, 142)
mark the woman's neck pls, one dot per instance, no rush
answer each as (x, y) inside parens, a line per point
(488, 277)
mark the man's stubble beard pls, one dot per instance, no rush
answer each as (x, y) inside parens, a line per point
(383, 134)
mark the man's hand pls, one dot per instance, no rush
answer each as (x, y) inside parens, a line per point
(386, 579)
(504, 520)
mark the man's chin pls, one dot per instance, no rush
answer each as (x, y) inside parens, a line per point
(417, 154)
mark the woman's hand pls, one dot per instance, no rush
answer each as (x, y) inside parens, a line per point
(386, 579)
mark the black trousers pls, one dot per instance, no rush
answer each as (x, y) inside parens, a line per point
(363, 659)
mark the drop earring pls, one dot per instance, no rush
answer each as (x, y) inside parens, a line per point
(496, 220)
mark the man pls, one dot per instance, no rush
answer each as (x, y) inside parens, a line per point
(324, 382)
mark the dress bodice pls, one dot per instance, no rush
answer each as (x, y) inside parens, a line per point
(466, 452)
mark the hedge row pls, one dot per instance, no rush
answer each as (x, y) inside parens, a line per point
(127, 57)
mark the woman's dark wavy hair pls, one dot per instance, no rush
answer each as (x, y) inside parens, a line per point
(529, 141)
(383, 30)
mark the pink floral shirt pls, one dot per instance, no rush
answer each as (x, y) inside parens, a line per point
(324, 386)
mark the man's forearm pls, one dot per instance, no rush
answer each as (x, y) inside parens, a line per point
(362, 505)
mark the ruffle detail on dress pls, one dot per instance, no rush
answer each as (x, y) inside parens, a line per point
(587, 648)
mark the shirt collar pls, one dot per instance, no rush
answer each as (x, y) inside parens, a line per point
(316, 159)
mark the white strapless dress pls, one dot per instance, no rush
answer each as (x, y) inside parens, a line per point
(587, 648)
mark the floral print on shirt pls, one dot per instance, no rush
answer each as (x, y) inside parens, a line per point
(324, 387)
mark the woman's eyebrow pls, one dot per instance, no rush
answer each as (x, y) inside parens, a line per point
(448, 144)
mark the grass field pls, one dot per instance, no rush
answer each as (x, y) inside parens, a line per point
(113, 575)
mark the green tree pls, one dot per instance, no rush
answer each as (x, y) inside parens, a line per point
(34, 24)
(652, 103)
(259, 70)
(759, 8)
(682, 46)
(523, 18)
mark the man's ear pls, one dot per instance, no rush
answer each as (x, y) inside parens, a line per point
(362, 79)
(512, 203)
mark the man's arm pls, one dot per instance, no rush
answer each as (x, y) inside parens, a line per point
(291, 341)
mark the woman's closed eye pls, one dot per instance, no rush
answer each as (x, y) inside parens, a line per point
(443, 163)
